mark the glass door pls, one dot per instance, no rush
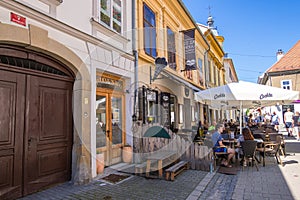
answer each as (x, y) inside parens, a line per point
(109, 126)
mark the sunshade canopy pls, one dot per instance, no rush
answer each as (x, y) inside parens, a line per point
(157, 131)
(245, 93)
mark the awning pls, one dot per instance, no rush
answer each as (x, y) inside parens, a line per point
(179, 80)
(157, 131)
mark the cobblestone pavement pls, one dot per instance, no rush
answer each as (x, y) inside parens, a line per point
(270, 182)
(134, 187)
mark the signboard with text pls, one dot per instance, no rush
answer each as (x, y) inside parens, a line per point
(189, 49)
(17, 19)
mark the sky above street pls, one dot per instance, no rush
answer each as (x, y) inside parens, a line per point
(253, 30)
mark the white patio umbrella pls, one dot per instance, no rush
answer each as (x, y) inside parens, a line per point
(245, 95)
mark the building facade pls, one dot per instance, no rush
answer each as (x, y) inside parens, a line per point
(65, 78)
(166, 96)
(284, 73)
(214, 65)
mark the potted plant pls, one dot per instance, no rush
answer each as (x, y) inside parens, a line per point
(100, 162)
(127, 153)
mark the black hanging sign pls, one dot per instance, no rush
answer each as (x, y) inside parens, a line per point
(189, 49)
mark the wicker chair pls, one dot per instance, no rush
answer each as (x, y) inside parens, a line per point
(249, 149)
(270, 149)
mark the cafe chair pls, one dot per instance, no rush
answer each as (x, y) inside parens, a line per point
(217, 156)
(278, 138)
(270, 149)
(249, 149)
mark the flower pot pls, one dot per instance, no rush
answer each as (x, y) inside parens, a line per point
(127, 154)
(100, 163)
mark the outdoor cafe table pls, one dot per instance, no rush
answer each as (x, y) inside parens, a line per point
(158, 160)
(231, 142)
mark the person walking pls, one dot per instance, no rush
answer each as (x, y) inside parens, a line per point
(288, 121)
(275, 121)
(296, 125)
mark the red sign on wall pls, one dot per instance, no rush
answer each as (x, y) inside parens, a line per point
(17, 19)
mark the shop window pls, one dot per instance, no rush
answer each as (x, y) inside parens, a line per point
(173, 110)
(149, 32)
(110, 14)
(148, 105)
(180, 110)
(171, 48)
(286, 84)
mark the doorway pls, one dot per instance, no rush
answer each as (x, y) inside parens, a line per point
(110, 126)
(36, 131)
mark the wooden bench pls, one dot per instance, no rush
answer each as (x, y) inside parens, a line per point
(174, 170)
(140, 168)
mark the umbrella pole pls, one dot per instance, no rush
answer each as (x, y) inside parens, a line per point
(241, 115)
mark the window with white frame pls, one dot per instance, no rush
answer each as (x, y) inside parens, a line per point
(286, 84)
(111, 14)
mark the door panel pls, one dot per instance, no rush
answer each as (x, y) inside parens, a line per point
(12, 90)
(116, 128)
(48, 134)
(109, 127)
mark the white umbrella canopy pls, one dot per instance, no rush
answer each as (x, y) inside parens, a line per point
(245, 95)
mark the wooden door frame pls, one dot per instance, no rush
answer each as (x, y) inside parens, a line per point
(109, 146)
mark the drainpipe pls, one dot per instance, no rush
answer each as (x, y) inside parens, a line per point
(136, 140)
(135, 53)
(206, 78)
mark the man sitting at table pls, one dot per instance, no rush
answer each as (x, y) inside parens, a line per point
(220, 147)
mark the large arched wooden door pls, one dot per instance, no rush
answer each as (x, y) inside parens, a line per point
(35, 124)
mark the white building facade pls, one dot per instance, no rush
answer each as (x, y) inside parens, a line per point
(66, 76)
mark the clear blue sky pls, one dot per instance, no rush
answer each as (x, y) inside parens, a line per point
(253, 30)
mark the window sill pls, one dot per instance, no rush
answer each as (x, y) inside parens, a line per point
(107, 31)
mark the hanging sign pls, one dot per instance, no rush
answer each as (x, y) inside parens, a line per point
(189, 49)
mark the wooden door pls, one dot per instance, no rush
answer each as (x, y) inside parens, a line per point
(12, 102)
(110, 126)
(48, 134)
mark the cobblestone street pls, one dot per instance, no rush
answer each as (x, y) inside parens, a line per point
(270, 182)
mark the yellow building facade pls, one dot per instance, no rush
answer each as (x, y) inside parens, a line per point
(167, 30)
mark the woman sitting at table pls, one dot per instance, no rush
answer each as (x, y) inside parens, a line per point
(246, 135)
(220, 147)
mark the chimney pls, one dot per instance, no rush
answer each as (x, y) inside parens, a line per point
(279, 54)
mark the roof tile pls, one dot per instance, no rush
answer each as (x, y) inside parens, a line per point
(290, 61)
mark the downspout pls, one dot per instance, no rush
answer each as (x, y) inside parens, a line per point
(135, 54)
(137, 141)
(206, 78)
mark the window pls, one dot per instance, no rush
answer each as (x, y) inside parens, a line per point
(216, 77)
(171, 48)
(149, 32)
(286, 84)
(201, 78)
(180, 108)
(210, 72)
(111, 14)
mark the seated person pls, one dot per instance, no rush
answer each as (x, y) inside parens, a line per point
(246, 135)
(217, 142)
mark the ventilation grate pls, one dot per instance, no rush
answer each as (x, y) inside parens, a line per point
(29, 64)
